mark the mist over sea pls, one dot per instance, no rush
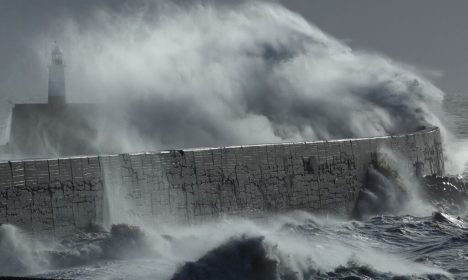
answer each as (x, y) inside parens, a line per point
(284, 81)
(456, 112)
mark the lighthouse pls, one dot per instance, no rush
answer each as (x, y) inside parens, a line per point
(57, 77)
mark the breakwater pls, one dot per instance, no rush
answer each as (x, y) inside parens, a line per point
(57, 197)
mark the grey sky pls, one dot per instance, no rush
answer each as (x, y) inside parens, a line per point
(431, 34)
(426, 33)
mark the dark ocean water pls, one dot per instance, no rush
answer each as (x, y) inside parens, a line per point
(295, 246)
(429, 245)
(438, 241)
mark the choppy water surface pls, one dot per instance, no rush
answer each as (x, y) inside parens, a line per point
(294, 246)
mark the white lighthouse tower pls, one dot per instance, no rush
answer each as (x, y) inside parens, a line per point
(57, 77)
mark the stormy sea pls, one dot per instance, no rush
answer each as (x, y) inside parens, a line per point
(256, 88)
(376, 243)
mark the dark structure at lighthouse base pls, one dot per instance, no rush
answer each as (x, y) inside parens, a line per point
(41, 130)
(57, 100)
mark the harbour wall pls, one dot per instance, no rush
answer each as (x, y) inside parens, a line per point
(57, 197)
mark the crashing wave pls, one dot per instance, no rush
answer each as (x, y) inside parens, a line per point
(252, 258)
(297, 246)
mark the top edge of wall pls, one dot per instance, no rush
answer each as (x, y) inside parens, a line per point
(422, 131)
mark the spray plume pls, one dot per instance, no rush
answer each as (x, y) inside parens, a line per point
(207, 75)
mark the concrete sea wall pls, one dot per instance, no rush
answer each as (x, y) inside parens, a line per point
(57, 197)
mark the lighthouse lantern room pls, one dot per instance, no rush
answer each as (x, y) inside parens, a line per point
(57, 77)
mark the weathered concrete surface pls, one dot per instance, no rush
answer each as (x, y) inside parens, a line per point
(60, 196)
(53, 197)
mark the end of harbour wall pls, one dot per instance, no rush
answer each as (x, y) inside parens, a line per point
(58, 197)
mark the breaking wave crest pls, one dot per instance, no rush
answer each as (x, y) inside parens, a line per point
(391, 189)
(301, 246)
(251, 258)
